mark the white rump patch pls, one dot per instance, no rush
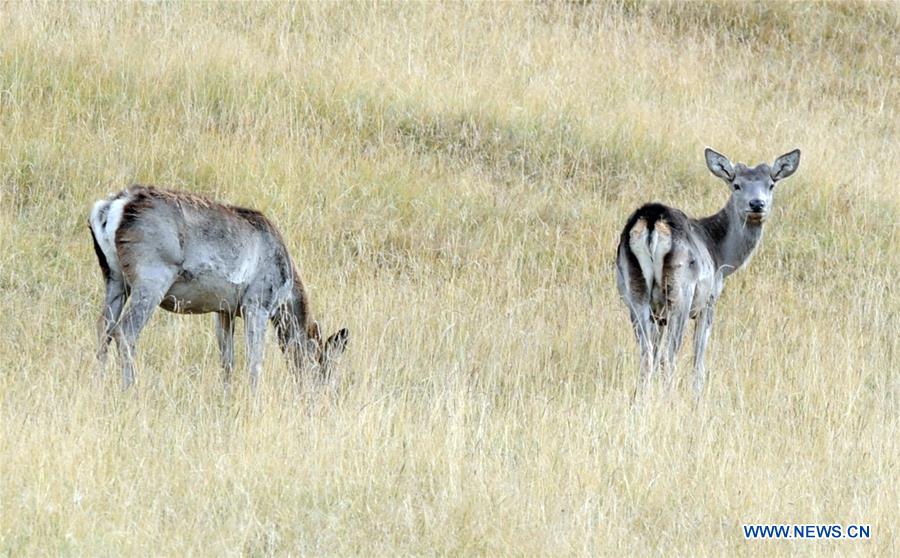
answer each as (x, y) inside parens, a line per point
(650, 249)
(660, 245)
(106, 216)
(639, 246)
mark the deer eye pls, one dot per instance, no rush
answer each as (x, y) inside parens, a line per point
(771, 186)
(737, 186)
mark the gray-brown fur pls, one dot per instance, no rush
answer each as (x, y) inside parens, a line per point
(671, 268)
(190, 255)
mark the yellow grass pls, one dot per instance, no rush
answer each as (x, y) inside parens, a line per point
(451, 179)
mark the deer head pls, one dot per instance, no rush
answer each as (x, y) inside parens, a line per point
(752, 188)
(325, 353)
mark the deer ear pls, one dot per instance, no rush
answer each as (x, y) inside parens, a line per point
(337, 343)
(719, 164)
(786, 165)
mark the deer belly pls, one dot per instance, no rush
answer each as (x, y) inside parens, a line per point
(202, 293)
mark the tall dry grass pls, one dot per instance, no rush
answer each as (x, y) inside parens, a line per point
(451, 179)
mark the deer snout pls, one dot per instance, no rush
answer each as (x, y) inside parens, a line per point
(757, 206)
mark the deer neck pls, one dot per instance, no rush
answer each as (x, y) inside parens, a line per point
(298, 303)
(291, 322)
(731, 239)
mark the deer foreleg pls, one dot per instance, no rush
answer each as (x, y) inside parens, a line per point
(701, 337)
(255, 321)
(676, 324)
(225, 340)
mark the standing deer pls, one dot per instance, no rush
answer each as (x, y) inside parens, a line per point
(671, 267)
(191, 255)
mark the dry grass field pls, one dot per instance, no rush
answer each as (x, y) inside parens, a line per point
(451, 180)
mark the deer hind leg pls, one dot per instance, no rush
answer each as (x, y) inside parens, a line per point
(225, 340)
(633, 287)
(677, 323)
(147, 291)
(660, 362)
(647, 333)
(679, 295)
(114, 301)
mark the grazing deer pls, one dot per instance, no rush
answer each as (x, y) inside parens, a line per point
(191, 255)
(671, 267)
